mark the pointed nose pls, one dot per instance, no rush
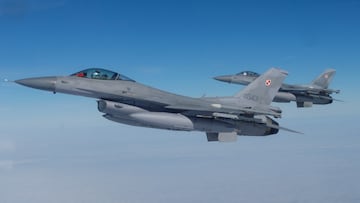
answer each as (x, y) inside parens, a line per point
(42, 83)
(223, 78)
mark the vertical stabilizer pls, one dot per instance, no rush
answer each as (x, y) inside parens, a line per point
(264, 88)
(324, 79)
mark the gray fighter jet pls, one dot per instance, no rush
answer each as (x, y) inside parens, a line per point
(316, 92)
(126, 101)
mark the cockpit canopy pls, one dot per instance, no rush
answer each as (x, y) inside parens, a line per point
(101, 74)
(248, 73)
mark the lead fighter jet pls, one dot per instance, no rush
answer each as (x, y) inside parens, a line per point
(126, 101)
(316, 92)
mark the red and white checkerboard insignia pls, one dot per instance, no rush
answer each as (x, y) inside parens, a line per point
(267, 83)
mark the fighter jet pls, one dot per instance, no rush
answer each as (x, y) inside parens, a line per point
(316, 92)
(126, 101)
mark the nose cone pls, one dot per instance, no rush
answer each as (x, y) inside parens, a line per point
(42, 83)
(223, 78)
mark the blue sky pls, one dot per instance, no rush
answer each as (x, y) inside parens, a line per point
(58, 148)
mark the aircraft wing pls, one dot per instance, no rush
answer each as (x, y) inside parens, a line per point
(255, 99)
(303, 89)
(228, 110)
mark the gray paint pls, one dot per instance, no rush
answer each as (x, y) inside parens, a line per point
(125, 101)
(316, 92)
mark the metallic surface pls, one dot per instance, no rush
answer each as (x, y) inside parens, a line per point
(123, 100)
(317, 92)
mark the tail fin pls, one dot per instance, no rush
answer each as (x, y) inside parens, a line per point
(264, 88)
(324, 79)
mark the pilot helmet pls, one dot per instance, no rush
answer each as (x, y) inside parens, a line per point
(95, 74)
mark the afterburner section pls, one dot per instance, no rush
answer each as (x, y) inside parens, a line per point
(101, 74)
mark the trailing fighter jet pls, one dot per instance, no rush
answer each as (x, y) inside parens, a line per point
(316, 92)
(126, 101)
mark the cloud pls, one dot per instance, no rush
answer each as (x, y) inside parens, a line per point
(7, 146)
(11, 164)
(6, 164)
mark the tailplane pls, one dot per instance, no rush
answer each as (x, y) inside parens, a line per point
(264, 88)
(324, 79)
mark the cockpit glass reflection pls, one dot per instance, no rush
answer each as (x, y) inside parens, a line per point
(101, 74)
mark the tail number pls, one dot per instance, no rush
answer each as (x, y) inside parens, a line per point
(255, 98)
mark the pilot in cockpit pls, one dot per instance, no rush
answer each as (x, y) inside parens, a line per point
(81, 74)
(95, 75)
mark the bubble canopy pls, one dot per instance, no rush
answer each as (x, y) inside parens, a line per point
(101, 74)
(249, 73)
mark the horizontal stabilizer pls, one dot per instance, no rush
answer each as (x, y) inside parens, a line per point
(222, 137)
(283, 128)
(338, 100)
(336, 91)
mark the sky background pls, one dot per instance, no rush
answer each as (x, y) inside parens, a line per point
(58, 148)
